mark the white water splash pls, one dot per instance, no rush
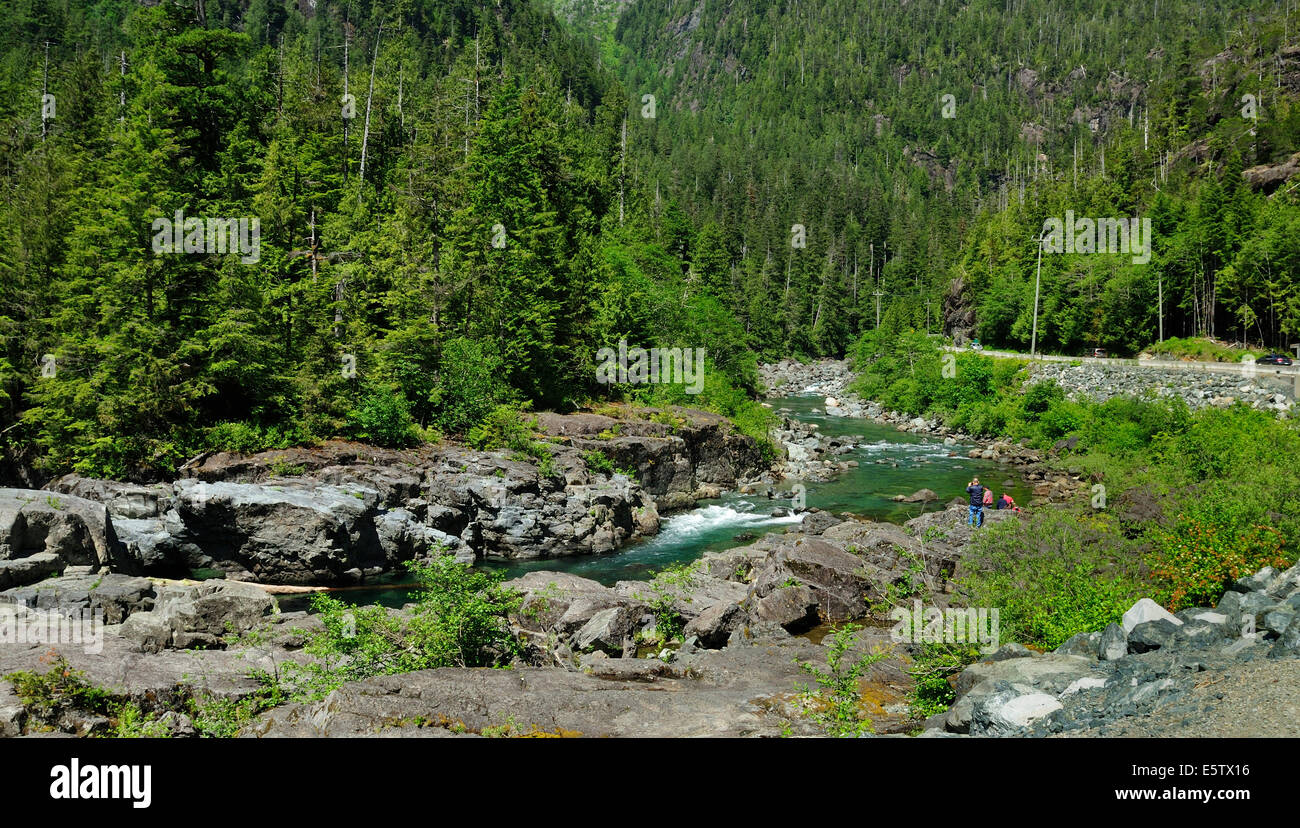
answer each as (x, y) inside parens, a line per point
(681, 527)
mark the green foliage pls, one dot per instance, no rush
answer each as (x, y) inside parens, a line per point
(470, 385)
(1203, 552)
(249, 438)
(60, 690)
(460, 620)
(664, 587)
(597, 461)
(132, 723)
(837, 702)
(1055, 575)
(383, 417)
(1202, 349)
(931, 667)
(506, 427)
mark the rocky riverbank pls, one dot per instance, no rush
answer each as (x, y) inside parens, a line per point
(341, 513)
(1199, 389)
(1152, 666)
(748, 614)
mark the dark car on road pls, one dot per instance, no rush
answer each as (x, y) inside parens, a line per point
(1274, 359)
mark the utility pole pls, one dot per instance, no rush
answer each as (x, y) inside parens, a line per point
(1033, 342)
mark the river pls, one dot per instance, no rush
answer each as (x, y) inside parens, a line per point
(891, 462)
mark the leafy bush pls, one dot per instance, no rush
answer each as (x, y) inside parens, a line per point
(662, 600)
(383, 417)
(837, 703)
(931, 666)
(48, 696)
(597, 461)
(470, 385)
(249, 438)
(505, 428)
(1040, 397)
(1206, 550)
(460, 620)
(1054, 575)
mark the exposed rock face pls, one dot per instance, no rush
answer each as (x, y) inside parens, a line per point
(116, 596)
(198, 616)
(673, 456)
(351, 512)
(43, 532)
(739, 691)
(1268, 177)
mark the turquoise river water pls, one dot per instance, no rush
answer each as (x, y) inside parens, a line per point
(910, 462)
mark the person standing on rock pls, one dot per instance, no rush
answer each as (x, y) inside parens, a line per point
(976, 492)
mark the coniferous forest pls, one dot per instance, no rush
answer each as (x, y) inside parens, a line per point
(459, 203)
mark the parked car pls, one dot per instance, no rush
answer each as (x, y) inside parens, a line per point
(1274, 359)
(1097, 353)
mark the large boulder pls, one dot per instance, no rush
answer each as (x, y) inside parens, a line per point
(713, 627)
(575, 610)
(1147, 610)
(794, 608)
(30, 569)
(290, 533)
(1008, 710)
(117, 596)
(838, 581)
(189, 616)
(76, 531)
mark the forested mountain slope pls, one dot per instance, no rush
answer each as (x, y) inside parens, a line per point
(443, 223)
(832, 114)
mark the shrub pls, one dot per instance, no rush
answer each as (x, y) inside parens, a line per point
(383, 417)
(505, 428)
(1206, 550)
(460, 620)
(837, 703)
(931, 667)
(1054, 575)
(48, 696)
(470, 385)
(249, 438)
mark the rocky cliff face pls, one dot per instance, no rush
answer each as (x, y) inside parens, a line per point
(342, 512)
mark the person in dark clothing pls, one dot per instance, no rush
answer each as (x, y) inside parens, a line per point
(976, 492)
